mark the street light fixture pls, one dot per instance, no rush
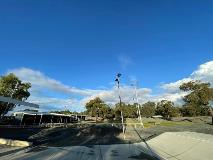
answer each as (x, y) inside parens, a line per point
(119, 95)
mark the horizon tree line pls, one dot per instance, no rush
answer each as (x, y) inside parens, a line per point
(196, 103)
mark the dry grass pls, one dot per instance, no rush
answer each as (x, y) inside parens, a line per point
(150, 122)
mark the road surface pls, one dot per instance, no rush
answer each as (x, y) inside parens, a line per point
(168, 145)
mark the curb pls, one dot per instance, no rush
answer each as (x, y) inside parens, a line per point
(15, 143)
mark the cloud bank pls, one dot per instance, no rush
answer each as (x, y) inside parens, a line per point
(76, 98)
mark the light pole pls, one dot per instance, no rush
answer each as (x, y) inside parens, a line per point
(119, 95)
(137, 104)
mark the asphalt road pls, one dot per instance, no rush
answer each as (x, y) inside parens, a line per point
(95, 152)
(169, 145)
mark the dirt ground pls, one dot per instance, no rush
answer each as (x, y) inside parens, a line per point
(66, 136)
(91, 134)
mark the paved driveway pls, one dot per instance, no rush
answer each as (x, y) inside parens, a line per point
(183, 145)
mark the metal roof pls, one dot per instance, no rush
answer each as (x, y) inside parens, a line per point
(43, 113)
(14, 101)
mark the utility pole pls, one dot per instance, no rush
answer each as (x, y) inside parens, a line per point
(120, 103)
(137, 104)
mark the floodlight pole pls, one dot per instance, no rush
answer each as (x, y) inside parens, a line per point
(120, 103)
(138, 107)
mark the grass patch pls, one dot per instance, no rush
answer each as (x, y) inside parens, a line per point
(149, 122)
(171, 123)
(132, 120)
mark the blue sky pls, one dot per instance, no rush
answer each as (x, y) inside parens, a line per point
(83, 44)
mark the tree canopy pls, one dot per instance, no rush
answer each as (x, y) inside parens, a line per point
(166, 109)
(12, 86)
(97, 107)
(129, 111)
(148, 109)
(67, 112)
(197, 101)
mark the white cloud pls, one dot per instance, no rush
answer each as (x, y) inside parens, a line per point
(203, 73)
(127, 94)
(39, 80)
(50, 103)
(174, 97)
(174, 86)
(76, 98)
(42, 82)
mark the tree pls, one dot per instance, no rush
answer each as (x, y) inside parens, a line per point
(132, 111)
(200, 94)
(166, 109)
(93, 105)
(109, 114)
(104, 111)
(11, 86)
(188, 110)
(97, 107)
(148, 109)
(198, 98)
(129, 111)
(67, 112)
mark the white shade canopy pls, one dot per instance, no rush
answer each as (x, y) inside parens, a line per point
(14, 101)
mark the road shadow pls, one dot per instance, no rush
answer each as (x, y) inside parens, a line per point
(18, 133)
(66, 136)
(87, 136)
(79, 136)
(90, 136)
